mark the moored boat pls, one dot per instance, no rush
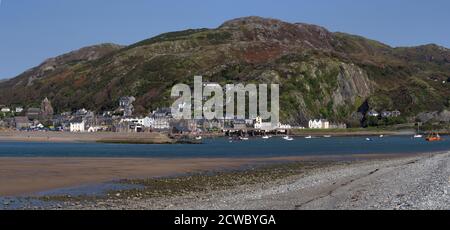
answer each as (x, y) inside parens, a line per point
(243, 138)
(433, 137)
(418, 135)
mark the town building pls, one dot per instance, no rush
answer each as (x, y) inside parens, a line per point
(319, 124)
(95, 129)
(146, 122)
(21, 123)
(77, 126)
(184, 126)
(161, 124)
(46, 110)
(211, 125)
(126, 106)
(338, 126)
(5, 110)
(135, 124)
(373, 113)
(161, 119)
(387, 114)
(33, 113)
(284, 126)
(259, 124)
(19, 109)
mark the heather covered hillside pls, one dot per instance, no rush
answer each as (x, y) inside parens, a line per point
(321, 74)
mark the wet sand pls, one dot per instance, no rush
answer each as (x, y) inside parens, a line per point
(25, 176)
(22, 176)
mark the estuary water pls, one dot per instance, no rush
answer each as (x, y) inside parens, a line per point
(223, 147)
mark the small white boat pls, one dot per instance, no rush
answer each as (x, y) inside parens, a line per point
(369, 139)
(265, 137)
(243, 138)
(198, 138)
(308, 137)
(327, 136)
(418, 131)
(288, 138)
(381, 136)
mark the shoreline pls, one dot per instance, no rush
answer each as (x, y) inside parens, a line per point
(159, 138)
(100, 137)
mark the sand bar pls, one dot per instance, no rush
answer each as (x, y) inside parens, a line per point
(24, 176)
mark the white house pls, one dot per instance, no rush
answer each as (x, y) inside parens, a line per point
(283, 126)
(373, 113)
(77, 127)
(6, 110)
(319, 124)
(146, 122)
(19, 109)
(259, 124)
(161, 124)
(94, 129)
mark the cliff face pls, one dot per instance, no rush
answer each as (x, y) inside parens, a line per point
(321, 74)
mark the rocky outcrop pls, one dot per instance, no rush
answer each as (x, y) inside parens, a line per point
(353, 85)
(443, 116)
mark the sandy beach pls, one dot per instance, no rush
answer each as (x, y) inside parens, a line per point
(24, 176)
(418, 181)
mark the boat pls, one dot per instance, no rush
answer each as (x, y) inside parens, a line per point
(418, 135)
(243, 138)
(308, 137)
(198, 138)
(433, 137)
(288, 138)
(265, 137)
(327, 136)
(369, 139)
(381, 136)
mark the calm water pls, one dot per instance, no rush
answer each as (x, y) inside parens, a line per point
(223, 148)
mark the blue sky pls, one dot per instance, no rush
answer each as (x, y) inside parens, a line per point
(33, 30)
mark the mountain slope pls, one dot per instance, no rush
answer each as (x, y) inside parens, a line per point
(321, 74)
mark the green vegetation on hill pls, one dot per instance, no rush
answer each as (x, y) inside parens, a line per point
(321, 74)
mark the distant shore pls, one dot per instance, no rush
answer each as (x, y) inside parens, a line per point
(100, 137)
(160, 138)
(350, 132)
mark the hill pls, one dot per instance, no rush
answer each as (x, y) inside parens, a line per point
(321, 74)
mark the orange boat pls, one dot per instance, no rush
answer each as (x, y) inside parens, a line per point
(434, 137)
